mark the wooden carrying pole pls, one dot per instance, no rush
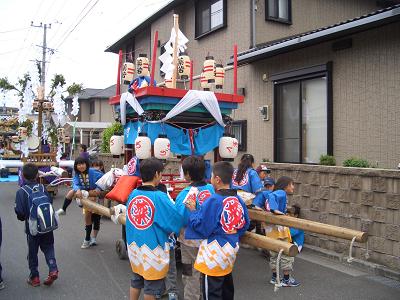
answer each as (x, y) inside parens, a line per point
(307, 225)
(175, 55)
(252, 239)
(95, 207)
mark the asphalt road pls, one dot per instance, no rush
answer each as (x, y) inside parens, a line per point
(97, 273)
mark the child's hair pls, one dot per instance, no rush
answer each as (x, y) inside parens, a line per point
(80, 161)
(195, 167)
(296, 209)
(84, 147)
(98, 163)
(245, 162)
(282, 183)
(30, 171)
(224, 170)
(149, 167)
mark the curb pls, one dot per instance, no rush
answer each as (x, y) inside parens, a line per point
(367, 266)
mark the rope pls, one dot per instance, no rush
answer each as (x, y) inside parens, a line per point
(278, 280)
(367, 251)
(350, 259)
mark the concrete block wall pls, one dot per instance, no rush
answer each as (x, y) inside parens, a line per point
(361, 199)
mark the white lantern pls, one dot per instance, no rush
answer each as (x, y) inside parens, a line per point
(204, 83)
(128, 70)
(168, 83)
(142, 65)
(143, 146)
(184, 67)
(162, 147)
(228, 147)
(219, 76)
(117, 144)
(209, 69)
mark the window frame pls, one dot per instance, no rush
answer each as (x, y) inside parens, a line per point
(297, 76)
(224, 24)
(287, 21)
(243, 127)
(92, 107)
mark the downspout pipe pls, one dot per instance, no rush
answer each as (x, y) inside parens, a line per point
(253, 7)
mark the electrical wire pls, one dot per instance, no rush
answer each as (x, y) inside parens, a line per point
(14, 30)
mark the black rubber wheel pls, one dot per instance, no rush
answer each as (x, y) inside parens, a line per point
(120, 247)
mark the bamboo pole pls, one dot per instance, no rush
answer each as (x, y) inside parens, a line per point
(250, 238)
(175, 56)
(311, 226)
(95, 207)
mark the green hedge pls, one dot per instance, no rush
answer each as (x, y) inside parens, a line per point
(356, 163)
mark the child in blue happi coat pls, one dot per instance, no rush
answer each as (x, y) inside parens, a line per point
(245, 178)
(261, 200)
(194, 171)
(219, 222)
(150, 219)
(84, 185)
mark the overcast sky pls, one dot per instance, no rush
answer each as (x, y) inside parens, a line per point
(79, 55)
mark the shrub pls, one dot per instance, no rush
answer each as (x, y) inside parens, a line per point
(356, 163)
(327, 160)
(115, 129)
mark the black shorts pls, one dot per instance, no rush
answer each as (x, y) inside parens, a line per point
(151, 287)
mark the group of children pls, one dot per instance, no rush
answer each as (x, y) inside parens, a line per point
(207, 218)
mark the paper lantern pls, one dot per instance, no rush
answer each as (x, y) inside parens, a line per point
(168, 83)
(35, 105)
(219, 76)
(228, 147)
(128, 70)
(143, 146)
(204, 83)
(184, 67)
(142, 65)
(22, 133)
(67, 139)
(47, 105)
(162, 147)
(117, 144)
(60, 134)
(209, 69)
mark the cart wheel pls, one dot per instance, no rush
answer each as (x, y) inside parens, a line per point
(120, 247)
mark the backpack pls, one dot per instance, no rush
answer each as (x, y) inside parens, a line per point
(42, 217)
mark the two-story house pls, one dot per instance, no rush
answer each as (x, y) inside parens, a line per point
(94, 115)
(319, 77)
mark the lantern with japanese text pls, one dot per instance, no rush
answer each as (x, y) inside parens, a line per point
(219, 76)
(143, 146)
(128, 70)
(204, 83)
(228, 147)
(60, 134)
(22, 133)
(184, 67)
(15, 139)
(117, 144)
(142, 65)
(162, 147)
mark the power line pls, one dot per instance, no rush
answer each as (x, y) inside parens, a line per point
(70, 29)
(14, 30)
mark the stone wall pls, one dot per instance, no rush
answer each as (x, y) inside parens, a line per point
(361, 199)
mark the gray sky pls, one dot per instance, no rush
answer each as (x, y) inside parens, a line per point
(79, 55)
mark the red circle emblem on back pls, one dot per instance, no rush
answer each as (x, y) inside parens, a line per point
(141, 212)
(232, 217)
(203, 196)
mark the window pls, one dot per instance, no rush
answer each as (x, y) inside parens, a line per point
(92, 107)
(303, 115)
(279, 10)
(239, 130)
(210, 15)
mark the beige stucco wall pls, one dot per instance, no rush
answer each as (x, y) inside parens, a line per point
(308, 15)
(365, 96)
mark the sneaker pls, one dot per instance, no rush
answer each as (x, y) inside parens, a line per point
(290, 282)
(34, 281)
(61, 212)
(93, 242)
(172, 296)
(85, 244)
(2, 285)
(273, 280)
(51, 278)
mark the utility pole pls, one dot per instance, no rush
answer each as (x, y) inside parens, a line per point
(41, 90)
